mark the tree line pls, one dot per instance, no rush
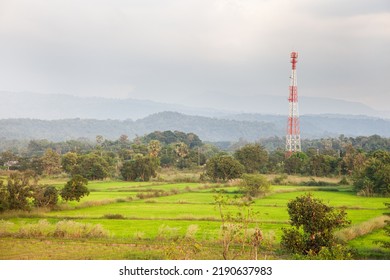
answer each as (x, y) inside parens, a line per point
(361, 160)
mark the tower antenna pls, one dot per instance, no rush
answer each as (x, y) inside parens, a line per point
(293, 138)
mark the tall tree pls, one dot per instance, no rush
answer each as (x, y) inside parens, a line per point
(253, 157)
(140, 168)
(51, 162)
(223, 167)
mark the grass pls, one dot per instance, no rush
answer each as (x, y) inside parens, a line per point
(135, 225)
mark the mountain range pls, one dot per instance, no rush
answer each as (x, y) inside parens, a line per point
(229, 128)
(60, 106)
(64, 117)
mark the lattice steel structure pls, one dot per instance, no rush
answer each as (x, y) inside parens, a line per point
(293, 138)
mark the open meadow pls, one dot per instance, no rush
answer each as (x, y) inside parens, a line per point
(168, 220)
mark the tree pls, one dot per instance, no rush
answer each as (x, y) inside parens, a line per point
(92, 167)
(373, 178)
(18, 191)
(154, 148)
(253, 157)
(75, 189)
(51, 162)
(69, 162)
(255, 185)
(223, 167)
(313, 225)
(182, 152)
(45, 196)
(141, 168)
(295, 163)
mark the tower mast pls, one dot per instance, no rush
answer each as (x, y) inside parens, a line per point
(293, 138)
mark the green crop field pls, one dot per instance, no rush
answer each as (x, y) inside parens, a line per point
(146, 221)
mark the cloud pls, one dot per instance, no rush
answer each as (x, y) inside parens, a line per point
(173, 50)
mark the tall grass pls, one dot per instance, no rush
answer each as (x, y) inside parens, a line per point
(364, 228)
(6, 228)
(62, 229)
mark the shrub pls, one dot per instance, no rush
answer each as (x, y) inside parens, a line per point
(75, 188)
(45, 196)
(114, 216)
(344, 181)
(279, 180)
(255, 185)
(313, 224)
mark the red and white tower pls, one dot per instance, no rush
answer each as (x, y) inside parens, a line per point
(293, 138)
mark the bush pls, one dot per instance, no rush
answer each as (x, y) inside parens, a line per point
(114, 216)
(344, 181)
(45, 196)
(280, 180)
(313, 225)
(255, 185)
(315, 183)
(75, 188)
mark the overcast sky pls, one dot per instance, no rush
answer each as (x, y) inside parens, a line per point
(183, 50)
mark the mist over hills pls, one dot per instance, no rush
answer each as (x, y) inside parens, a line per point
(65, 117)
(247, 126)
(55, 107)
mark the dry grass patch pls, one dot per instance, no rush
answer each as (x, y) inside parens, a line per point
(361, 229)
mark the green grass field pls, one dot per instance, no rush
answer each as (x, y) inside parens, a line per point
(145, 219)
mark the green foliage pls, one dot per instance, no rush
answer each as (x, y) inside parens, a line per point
(75, 189)
(69, 162)
(280, 179)
(295, 163)
(313, 225)
(374, 177)
(386, 243)
(321, 165)
(344, 181)
(223, 167)
(45, 196)
(253, 157)
(18, 192)
(22, 191)
(51, 162)
(92, 167)
(254, 185)
(320, 183)
(336, 252)
(140, 168)
(171, 137)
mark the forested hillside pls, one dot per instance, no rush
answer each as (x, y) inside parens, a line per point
(250, 127)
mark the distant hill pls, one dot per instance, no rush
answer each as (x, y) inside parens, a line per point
(54, 107)
(328, 125)
(229, 128)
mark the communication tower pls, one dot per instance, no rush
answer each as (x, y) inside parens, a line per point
(293, 138)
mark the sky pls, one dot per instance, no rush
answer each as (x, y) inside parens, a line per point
(184, 51)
